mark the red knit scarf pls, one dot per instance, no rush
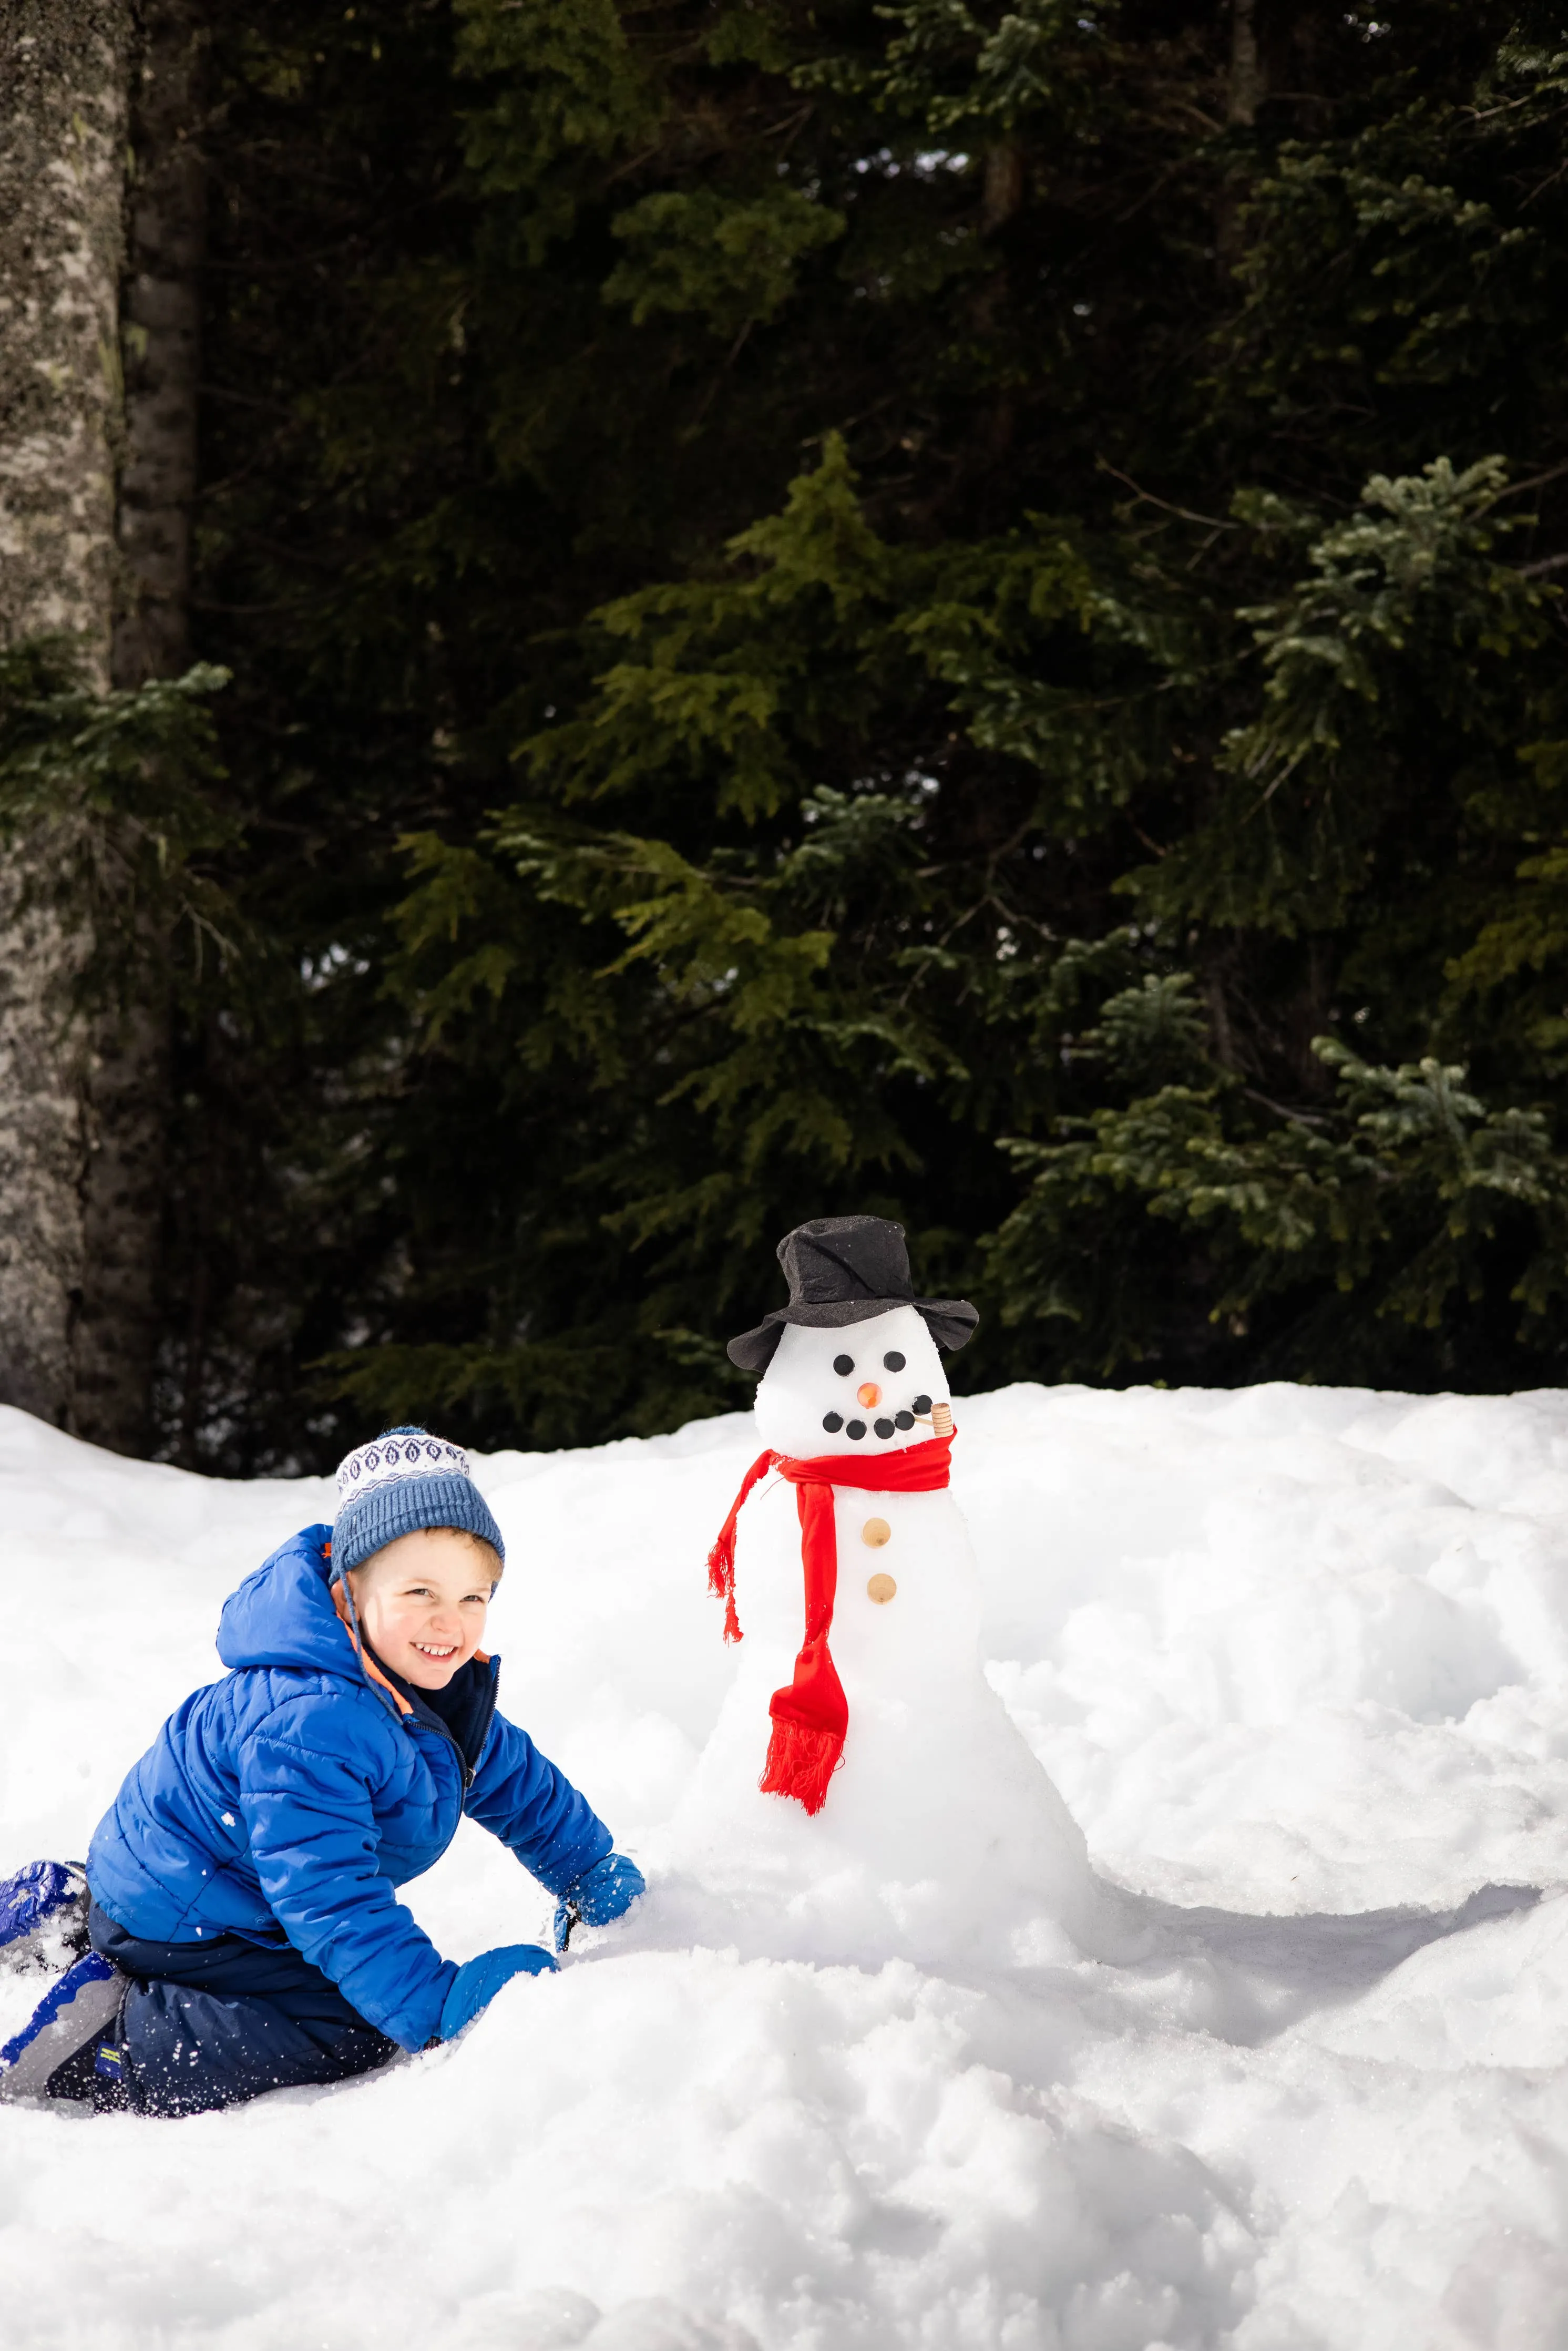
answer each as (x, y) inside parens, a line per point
(811, 1715)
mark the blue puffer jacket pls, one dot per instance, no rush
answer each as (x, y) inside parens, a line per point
(288, 1800)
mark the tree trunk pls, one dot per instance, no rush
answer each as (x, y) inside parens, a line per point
(114, 1334)
(161, 335)
(84, 1098)
(1002, 195)
(1246, 92)
(63, 88)
(128, 1087)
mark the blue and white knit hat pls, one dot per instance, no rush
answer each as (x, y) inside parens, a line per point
(404, 1481)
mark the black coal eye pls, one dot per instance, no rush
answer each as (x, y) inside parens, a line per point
(856, 1429)
(843, 1366)
(905, 1419)
(922, 1403)
(884, 1428)
(832, 1422)
(894, 1361)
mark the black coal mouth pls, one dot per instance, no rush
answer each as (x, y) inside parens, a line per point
(885, 1426)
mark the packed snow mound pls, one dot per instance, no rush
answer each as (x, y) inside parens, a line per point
(1296, 1661)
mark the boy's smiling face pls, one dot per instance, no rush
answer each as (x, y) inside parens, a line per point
(422, 1603)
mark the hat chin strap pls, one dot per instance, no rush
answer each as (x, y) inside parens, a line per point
(349, 1617)
(810, 1714)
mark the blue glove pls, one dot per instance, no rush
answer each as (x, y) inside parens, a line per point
(600, 1894)
(478, 1981)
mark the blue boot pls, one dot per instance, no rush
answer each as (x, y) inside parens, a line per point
(43, 1916)
(68, 2019)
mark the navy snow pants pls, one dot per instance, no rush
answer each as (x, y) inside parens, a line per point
(212, 2023)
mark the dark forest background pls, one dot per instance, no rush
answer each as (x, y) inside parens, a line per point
(930, 607)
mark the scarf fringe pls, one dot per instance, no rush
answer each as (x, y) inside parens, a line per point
(800, 1762)
(721, 1583)
(721, 1558)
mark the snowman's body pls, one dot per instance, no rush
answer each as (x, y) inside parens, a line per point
(940, 1831)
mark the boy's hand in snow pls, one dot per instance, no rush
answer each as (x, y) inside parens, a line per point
(478, 1981)
(600, 1894)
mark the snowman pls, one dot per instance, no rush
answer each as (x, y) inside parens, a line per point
(864, 1795)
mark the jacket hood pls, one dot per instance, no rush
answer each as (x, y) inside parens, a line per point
(284, 1615)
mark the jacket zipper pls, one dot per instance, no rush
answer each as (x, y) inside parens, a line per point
(463, 1766)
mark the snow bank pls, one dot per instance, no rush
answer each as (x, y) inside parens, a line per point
(1296, 1659)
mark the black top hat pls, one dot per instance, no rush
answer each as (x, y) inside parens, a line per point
(843, 1270)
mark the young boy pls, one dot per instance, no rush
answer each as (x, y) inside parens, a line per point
(237, 1924)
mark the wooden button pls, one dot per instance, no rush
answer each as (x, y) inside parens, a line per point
(880, 1589)
(876, 1531)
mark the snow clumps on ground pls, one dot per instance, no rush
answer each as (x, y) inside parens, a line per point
(1297, 1661)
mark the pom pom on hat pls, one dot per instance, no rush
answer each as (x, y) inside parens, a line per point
(403, 1480)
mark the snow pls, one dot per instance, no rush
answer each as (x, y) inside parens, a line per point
(1296, 1660)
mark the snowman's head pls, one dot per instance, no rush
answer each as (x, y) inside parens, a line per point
(866, 1388)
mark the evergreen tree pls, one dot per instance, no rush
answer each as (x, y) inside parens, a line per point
(895, 607)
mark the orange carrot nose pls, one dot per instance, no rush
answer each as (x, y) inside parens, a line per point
(869, 1395)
